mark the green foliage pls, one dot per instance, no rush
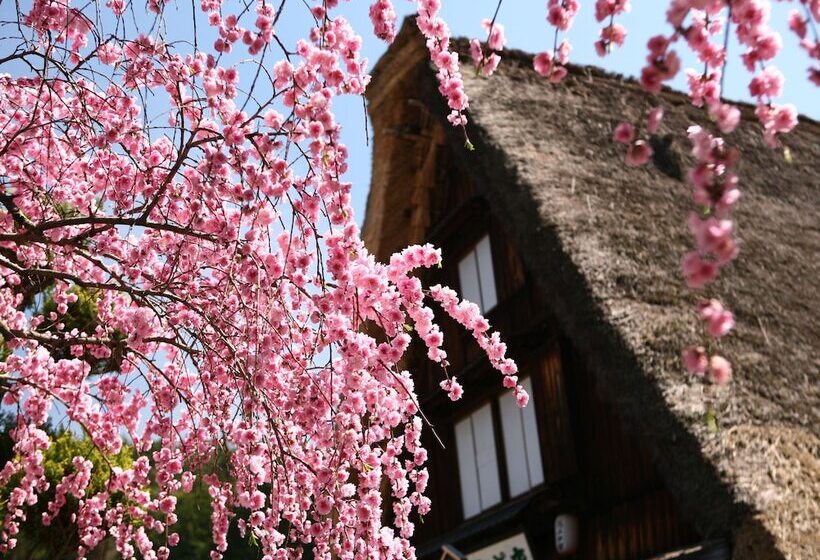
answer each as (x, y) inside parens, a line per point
(710, 419)
(65, 446)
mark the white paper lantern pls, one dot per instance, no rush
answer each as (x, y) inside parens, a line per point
(566, 534)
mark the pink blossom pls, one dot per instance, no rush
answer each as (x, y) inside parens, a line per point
(521, 397)
(624, 133)
(561, 13)
(657, 46)
(720, 370)
(558, 74)
(383, 17)
(562, 54)
(695, 360)
(719, 320)
(495, 38)
(698, 271)
(609, 35)
(768, 83)
(510, 381)
(453, 388)
(490, 65)
(727, 116)
(475, 51)
(109, 53)
(780, 118)
(653, 120)
(638, 153)
(660, 68)
(714, 236)
(797, 23)
(607, 8)
(703, 89)
(542, 62)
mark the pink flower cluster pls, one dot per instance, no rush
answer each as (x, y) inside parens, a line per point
(762, 43)
(561, 13)
(552, 64)
(718, 320)
(715, 191)
(714, 180)
(487, 64)
(230, 31)
(451, 84)
(638, 151)
(716, 369)
(613, 33)
(800, 24)
(468, 314)
(705, 87)
(662, 64)
(64, 22)
(383, 17)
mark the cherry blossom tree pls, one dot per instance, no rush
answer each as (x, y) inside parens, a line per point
(234, 308)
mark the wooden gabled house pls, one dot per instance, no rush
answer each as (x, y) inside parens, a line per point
(574, 258)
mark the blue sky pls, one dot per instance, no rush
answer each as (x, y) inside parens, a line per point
(526, 29)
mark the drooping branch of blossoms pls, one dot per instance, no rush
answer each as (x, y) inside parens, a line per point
(383, 17)
(613, 33)
(451, 84)
(234, 305)
(800, 24)
(551, 64)
(487, 64)
(714, 180)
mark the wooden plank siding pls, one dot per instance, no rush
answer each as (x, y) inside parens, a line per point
(558, 448)
(625, 510)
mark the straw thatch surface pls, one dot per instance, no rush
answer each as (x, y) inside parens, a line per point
(603, 241)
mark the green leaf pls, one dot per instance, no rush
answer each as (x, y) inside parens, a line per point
(710, 419)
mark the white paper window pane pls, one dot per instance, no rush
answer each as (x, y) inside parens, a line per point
(468, 278)
(533, 444)
(484, 258)
(514, 446)
(468, 473)
(486, 460)
(477, 462)
(521, 445)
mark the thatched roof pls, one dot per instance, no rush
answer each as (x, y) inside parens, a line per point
(603, 242)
